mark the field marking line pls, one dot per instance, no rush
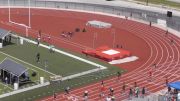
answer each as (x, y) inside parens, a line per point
(26, 63)
(23, 90)
(6, 86)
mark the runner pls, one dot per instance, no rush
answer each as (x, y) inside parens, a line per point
(111, 91)
(172, 41)
(112, 98)
(155, 65)
(39, 33)
(86, 96)
(108, 98)
(102, 90)
(102, 82)
(123, 88)
(135, 84)
(150, 76)
(54, 95)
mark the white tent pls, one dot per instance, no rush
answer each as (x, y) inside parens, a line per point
(98, 24)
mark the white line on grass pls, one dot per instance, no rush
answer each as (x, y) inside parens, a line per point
(23, 90)
(6, 86)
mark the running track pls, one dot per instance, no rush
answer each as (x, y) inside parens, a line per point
(162, 52)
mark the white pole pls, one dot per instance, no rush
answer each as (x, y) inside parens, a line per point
(95, 35)
(26, 31)
(9, 11)
(114, 38)
(29, 14)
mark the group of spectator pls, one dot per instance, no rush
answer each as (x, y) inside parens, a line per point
(172, 94)
(67, 34)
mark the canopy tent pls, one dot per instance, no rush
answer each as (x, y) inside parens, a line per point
(3, 36)
(11, 69)
(98, 24)
(175, 85)
(4, 33)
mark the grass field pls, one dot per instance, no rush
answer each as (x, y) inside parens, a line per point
(162, 2)
(57, 64)
(5, 88)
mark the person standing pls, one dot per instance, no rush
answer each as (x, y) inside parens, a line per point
(102, 90)
(38, 57)
(137, 91)
(130, 93)
(119, 75)
(123, 88)
(49, 39)
(38, 41)
(86, 95)
(67, 90)
(166, 34)
(54, 95)
(143, 92)
(135, 84)
(150, 23)
(6, 80)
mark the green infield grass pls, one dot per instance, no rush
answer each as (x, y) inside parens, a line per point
(58, 64)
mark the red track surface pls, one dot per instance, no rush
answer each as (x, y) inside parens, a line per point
(148, 43)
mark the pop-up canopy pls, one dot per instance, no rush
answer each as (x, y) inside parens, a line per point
(13, 67)
(175, 85)
(4, 33)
